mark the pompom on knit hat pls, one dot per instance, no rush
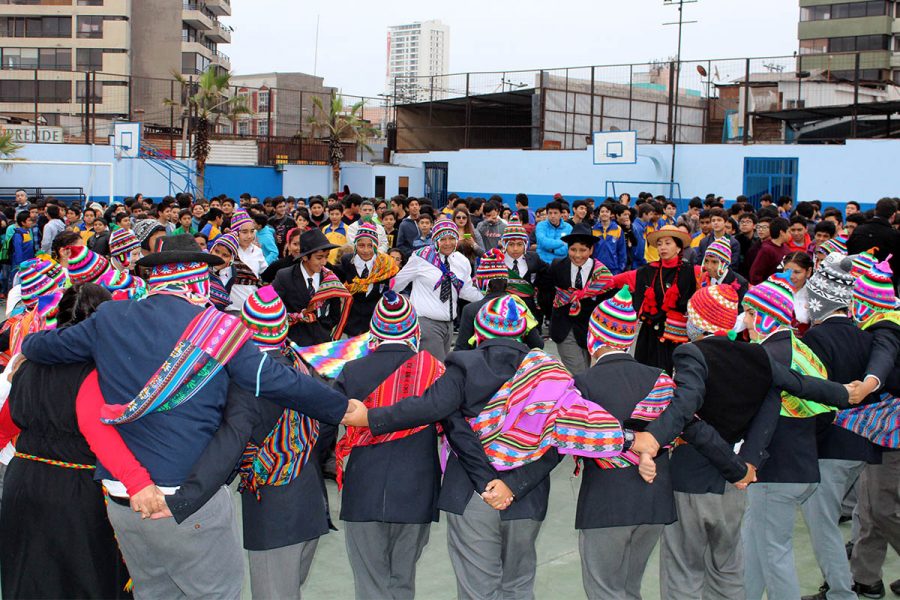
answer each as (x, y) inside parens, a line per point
(122, 241)
(442, 229)
(514, 231)
(229, 242)
(830, 287)
(613, 323)
(123, 285)
(713, 309)
(367, 230)
(240, 218)
(501, 317)
(773, 301)
(85, 266)
(873, 292)
(394, 320)
(492, 266)
(265, 316)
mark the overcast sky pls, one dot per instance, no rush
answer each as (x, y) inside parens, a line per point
(486, 35)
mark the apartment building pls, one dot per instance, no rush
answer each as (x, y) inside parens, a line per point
(283, 99)
(416, 52)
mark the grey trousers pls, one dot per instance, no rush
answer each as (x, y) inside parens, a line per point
(492, 559)
(436, 337)
(280, 572)
(613, 560)
(701, 555)
(879, 518)
(200, 558)
(574, 357)
(768, 536)
(822, 512)
(383, 557)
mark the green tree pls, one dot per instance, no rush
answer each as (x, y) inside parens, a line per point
(336, 124)
(208, 100)
(8, 147)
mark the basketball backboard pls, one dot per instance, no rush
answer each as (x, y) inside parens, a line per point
(615, 147)
(127, 140)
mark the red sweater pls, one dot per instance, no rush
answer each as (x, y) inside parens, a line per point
(766, 262)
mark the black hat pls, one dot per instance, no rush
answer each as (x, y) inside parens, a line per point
(313, 241)
(581, 234)
(178, 249)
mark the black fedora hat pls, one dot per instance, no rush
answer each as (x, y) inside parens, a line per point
(313, 241)
(178, 249)
(581, 234)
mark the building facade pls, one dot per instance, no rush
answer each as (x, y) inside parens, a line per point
(832, 33)
(283, 99)
(416, 53)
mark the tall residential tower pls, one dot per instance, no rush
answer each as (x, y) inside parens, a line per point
(416, 52)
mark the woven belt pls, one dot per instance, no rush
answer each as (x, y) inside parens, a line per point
(55, 463)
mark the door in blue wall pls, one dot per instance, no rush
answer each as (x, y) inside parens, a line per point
(436, 183)
(776, 176)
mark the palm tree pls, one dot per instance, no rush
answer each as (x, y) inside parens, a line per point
(208, 100)
(8, 147)
(337, 124)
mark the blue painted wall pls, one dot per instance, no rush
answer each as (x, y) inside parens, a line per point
(235, 180)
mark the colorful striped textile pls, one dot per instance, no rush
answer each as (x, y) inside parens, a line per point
(384, 268)
(330, 287)
(519, 287)
(648, 409)
(411, 378)
(878, 422)
(891, 318)
(208, 343)
(597, 283)
(56, 463)
(804, 361)
(284, 452)
(540, 407)
(328, 359)
(430, 255)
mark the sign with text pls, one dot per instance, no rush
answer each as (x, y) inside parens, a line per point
(26, 134)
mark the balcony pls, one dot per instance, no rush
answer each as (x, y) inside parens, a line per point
(219, 33)
(220, 8)
(222, 59)
(194, 15)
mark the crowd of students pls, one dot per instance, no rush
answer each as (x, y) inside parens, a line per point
(713, 372)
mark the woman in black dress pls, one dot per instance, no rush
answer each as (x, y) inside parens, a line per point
(55, 539)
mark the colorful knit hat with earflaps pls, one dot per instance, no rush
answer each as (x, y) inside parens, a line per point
(265, 316)
(444, 228)
(394, 320)
(874, 292)
(123, 285)
(830, 288)
(773, 301)
(122, 241)
(40, 277)
(492, 266)
(713, 309)
(85, 266)
(514, 231)
(720, 250)
(863, 262)
(229, 242)
(501, 317)
(613, 323)
(834, 245)
(367, 230)
(239, 218)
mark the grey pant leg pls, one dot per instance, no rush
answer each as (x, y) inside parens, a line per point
(383, 557)
(683, 546)
(879, 518)
(725, 560)
(199, 558)
(848, 504)
(280, 572)
(613, 560)
(436, 337)
(475, 544)
(519, 558)
(407, 541)
(821, 513)
(773, 507)
(574, 357)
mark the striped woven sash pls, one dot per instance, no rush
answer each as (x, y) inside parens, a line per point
(804, 361)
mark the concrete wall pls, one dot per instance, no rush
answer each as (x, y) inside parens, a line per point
(233, 181)
(306, 180)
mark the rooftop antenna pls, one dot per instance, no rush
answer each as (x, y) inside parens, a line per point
(674, 118)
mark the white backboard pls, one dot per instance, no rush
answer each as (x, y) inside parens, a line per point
(127, 140)
(615, 147)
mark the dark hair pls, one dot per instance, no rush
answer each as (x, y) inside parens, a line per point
(261, 220)
(885, 208)
(833, 212)
(645, 208)
(768, 211)
(492, 206)
(402, 253)
(827, 226)
(671, 203)
(717, 211)
(335, 206)
(801, 259)
(522, 199)
(523, 215)
(785, 200)
(52, 211)
(778, 226)
(22, 217)
(316, 200)
(81, 301)
(425, 214)
(806, 210)
(695, 202)
(854, 203)
(554, 205)
(798, 219)
(497, 286)
(857, 218)
(75, 210)
(751, 216)
(303, 212)
(353, 199)
(63, 239)
(119, 217)
(211, 214)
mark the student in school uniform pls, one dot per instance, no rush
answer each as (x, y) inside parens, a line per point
(526, 269)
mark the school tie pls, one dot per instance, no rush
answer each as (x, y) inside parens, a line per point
(445, 281)
(309, 282)
(578, 282)
(365, 272)
(515, 270)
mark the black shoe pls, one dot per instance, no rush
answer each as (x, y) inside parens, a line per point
(821, 595)
(876, 590)
(895, 587)
(849, 548)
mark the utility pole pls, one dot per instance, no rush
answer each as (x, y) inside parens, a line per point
(673, 93)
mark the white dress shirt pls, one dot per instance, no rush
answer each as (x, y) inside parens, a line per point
(423, 276)
(361, 264)
(585, 269)
(522, 265)
(253, 257)
(382, 245)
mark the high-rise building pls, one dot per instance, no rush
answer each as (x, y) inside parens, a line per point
(284, 100)
(415, 53)
(47, 48)
(832, 33)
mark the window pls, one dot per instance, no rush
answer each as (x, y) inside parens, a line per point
(188, 34)
(775, 176)
(90, 2)
(90, 27)
(12, 90)
(262, 127)
(243, 127)
(263, 102)
(89, 59)
(845, 10)
(97, 91)
(403, 186)
(55, 58)
(20, 58)
(896, 76)
(36, 27)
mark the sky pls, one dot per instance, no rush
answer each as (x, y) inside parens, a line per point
(489, 35)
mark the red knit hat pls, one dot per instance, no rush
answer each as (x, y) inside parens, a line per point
(713, 309)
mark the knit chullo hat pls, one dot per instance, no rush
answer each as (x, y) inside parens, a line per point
(874, 292)
(367, 230)
(492, 266)
(719, 249)
(863, 262)
(773, 301)
(123, 285)
(834, 245)
(40, 277)
(444, 228)
(713, 309)
(122, 241)
(144, 228)
(85, 266)
(501, 317)
(613, 323)
(229, 242)
(394, 320)
(514, 231)
(239, 218)
(265, 316)
(830, 287)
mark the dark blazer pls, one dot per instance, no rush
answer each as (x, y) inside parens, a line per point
(537, 276)
(467, 325)
(268, 276)
(619, 497)
(472, 378)
(877, 232)
(290, 285)
(363, 303)
(561, 323)
(393, 482)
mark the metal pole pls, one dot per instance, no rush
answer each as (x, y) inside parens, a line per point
(566, 116)
(853, 124)
(799, 79)
(269, 126)
(172, 119)
(671, 101)
(130, 83)
(747, 102)
(86, 117)
(543, 112)
(468, 113)
(36, 87)
(591, 98)
(631, 94)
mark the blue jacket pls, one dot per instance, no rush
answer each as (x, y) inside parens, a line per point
(21, 249)
(610, 248)
(168, 443)
(549, 243)
(637, 253)
(266, 237)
